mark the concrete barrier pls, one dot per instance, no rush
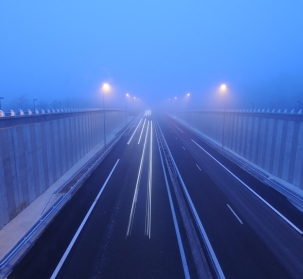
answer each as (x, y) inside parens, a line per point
(36, 150)
(271, 141)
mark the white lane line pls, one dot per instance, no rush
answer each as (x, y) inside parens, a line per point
(210, 250)
(270, 206)
(141, 131)
(183, 147)
(177, 127)
(181, 249)
(198, 167)
(133, 208)
(235, 214)
(70, 246)
(134, 132)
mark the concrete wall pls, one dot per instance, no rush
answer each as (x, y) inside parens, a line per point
(36, 150)
(272, 141)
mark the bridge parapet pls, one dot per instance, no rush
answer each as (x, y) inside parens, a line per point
(37, 149)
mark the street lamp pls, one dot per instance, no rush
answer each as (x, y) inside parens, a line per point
(34, 104)
(223, 90)
(127, 97)
(54, 104)
(271, 106)
(188, 96)
(105, 89)
(1, 98)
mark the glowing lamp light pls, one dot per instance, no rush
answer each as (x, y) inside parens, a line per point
(105, 87)
(223, 88)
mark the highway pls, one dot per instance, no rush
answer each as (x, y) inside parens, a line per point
(164, 204)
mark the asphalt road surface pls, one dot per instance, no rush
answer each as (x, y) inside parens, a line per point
(126, 222)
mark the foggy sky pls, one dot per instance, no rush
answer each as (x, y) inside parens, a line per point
(154, 50)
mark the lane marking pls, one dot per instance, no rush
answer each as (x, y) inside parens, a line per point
(257, 195)
(183, 147)
(181, 249)
(149, 188)
(134, 132)
(71, 244)
(235, 214)
(178, 128)
(142, 131)
(198, 167)
(134, 203)
(203, 233)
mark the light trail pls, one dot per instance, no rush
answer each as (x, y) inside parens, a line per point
(142, 131)
(134, 132)
(133, 208)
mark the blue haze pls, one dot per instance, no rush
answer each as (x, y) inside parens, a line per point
(64, 50)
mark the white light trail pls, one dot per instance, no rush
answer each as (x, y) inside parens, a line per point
(142, 131)
(134, 132)
(133, 208)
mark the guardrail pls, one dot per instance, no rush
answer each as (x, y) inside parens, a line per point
(279, 111)
(12, 113)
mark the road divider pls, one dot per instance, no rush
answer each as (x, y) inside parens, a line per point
(149, 186)
(172, 208)
(206, 262)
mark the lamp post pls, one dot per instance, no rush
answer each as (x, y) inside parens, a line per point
(223, 89)
(1, 98)
(127, 97)
(175, 101)
(188, 95)
(297, 101)
(34, 105)
(105, 89)
(271, 106)
(54, 104)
